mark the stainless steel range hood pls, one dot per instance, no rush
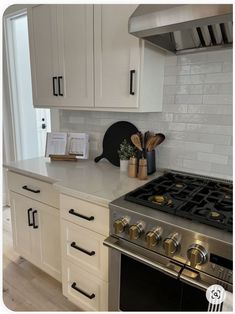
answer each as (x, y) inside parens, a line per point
(184, 28)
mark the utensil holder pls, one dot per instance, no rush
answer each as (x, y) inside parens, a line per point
(151, 164)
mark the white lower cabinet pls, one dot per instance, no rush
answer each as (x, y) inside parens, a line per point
(85, 248)
(88, 292)
(36, 233)
(84, 257)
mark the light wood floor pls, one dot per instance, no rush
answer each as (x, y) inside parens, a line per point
(25, 287)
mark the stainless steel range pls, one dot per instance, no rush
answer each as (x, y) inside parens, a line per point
(170, 240)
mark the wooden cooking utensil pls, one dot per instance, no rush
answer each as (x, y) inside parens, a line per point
(135, 138)
(150, 142)
(161, 138)
(154, 141)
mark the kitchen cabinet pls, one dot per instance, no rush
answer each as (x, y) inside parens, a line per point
(84, 226)
(35, 226)
(61, 52)
(128, 71)
(82, 57)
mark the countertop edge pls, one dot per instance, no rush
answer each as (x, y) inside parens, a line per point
(81, 195)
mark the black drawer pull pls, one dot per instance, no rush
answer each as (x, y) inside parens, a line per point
(73, 244)
(59, 86)
(89, 296)
(34, 224)
(54, 79)
(31, 190)
(132, 72)
(29, 222)
(72, 212)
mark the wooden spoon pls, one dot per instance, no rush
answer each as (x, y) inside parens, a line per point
(161, 137)
(154, 141)
(135, 138)
(150, 142)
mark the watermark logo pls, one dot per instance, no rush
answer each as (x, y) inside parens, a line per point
(215, 294)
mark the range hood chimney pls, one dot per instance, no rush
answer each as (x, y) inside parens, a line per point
(184, 28)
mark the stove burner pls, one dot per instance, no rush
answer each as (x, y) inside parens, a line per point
(161, 200)
(216, 216)
(199, 199)
(179, 185)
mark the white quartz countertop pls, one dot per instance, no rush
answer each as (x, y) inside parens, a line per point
(100, 182)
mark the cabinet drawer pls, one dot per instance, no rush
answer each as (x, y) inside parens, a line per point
(85, 214)
(85, 248)
(85, 290)
(33, 188)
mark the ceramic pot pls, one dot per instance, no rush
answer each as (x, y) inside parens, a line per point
(123, 165)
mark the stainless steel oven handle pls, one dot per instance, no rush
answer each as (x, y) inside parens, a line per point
(201, 280)
(117, 245)
(195, 282)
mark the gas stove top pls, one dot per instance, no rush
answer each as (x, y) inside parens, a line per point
(197, 198)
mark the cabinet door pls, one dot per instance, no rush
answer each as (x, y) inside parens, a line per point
(43, 43)
(49, 226)
(116, 54)
(20, 225)
(75, 27)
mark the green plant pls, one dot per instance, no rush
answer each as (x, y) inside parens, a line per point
(126, 150)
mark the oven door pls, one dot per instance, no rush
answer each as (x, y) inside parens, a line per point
(141, 280)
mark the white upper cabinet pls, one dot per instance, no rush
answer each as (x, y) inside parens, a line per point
(61, 46)
(43, 50)
(95, 62)
(75, 28)
(117, 57)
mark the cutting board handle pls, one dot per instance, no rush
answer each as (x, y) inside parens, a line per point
(98, 158)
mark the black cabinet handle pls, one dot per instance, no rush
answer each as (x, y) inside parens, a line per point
(31, 190)
(59, 80)
(89, 296)
(29, 222)
(132, 72)
(91, 253)
(54, 79)
(34, 224)
(72, 212)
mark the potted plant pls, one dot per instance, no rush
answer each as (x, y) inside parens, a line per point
(125, 152)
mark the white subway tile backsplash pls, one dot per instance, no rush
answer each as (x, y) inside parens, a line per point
(223, 149)
(203, 118)
(206, 68)
(218, 99)
(189, 89)
(196, 117)
(221, 56)
(218, 78)
(227, 67)
(190, 79)
(170, 80)
(216, 109)
(215, 89)
(176, 108)
(169, 90)
(193, 58)
(217, 159)
(188, 99)
(183, 70)
(193, 165)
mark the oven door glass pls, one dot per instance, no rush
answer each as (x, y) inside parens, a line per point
(143, 288)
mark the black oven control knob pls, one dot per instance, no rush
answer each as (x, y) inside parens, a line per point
(135, 231)
(120, 225)
(197, 255)
(153, 237)
(171, 243)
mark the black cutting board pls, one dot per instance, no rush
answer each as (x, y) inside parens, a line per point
(113, 137)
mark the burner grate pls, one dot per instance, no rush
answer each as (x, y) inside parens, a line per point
(207, 201)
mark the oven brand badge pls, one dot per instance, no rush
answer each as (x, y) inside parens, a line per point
(215, 294)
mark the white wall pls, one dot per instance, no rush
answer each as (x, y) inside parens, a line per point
(196, 117)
